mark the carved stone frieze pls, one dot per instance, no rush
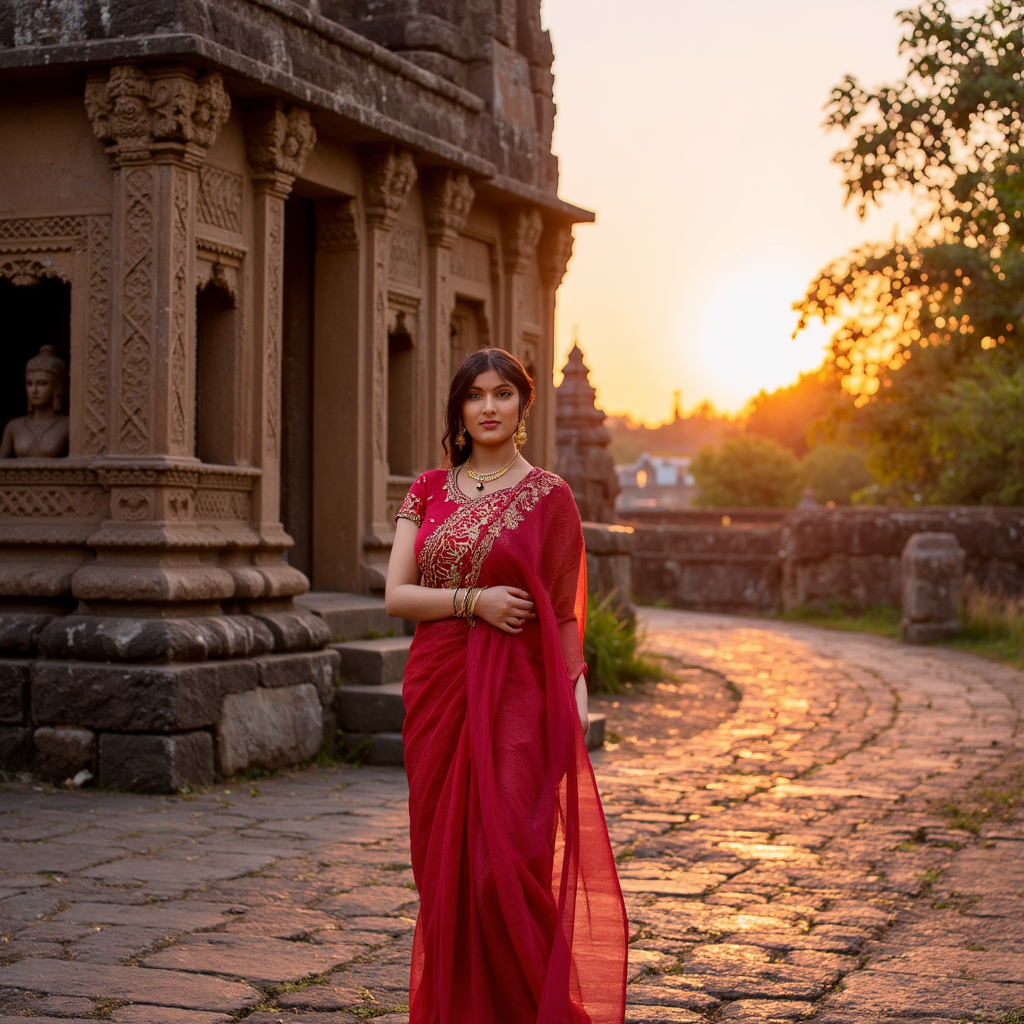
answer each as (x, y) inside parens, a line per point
(389, 174)
(219, 202)
(447, 199)
(554, 253)
(337, 225)
(25, 270)
(278, 139)
(132, 505)
(521, 230)
(132, 112)
(51, 502)
(97, 359)
(182, 368)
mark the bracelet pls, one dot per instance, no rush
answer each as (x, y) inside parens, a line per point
(470, 605)
(455, 598)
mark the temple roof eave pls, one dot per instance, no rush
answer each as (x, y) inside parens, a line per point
(336, 113)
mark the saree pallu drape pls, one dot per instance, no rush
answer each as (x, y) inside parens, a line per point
(521, 916)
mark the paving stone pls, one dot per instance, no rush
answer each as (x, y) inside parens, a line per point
(132, 984)
(116, 943)
(369, 901)
(323, 997)
(164, 1015)
(182, 915)
(661, 1015)
(259, 960)
(284, 1016)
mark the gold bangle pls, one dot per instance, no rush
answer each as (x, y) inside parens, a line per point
(474, 596)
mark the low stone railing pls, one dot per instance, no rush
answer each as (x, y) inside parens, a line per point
(763, 559)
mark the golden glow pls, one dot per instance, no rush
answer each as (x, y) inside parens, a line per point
(716, 197)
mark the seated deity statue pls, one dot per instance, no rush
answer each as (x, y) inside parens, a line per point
(43, 432)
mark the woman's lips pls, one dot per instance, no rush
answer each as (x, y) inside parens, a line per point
(490, 423)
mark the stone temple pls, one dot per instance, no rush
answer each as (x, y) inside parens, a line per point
(259, 234)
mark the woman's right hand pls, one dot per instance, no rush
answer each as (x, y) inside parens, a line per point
(505, 608)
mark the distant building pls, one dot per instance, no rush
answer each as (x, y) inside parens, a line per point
(655, 482)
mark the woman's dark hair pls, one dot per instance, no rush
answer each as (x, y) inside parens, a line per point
(508, 368)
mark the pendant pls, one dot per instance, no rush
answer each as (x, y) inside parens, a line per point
(480, 486)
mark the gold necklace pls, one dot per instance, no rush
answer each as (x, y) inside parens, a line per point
(486, 478)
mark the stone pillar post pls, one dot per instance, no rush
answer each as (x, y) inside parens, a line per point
(933, 575)
(388, 175)
(340, 430)
(278, 142)
(521, 230)
(555, 253)
(447, 199)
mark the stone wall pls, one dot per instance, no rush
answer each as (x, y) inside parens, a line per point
(811, 556)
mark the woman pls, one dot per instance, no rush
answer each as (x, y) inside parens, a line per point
(521, 917)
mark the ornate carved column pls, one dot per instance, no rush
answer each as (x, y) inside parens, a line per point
(157, 125)
(447, 199)
(554, 254)
(340, 428)
(278, 139)
(521, 228)
(389, 174)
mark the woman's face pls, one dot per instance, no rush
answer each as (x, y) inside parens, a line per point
(491, 409)
(39, 388)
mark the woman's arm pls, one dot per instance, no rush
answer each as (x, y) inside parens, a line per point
(404, 598)
(503, 607)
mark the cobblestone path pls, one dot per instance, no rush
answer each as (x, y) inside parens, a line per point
(809, 825)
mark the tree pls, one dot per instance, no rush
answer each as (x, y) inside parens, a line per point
(922, 316)
(836, 473)
(747, 472)
(796, 414)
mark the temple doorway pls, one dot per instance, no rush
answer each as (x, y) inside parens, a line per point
(31, 315)
(297, 381)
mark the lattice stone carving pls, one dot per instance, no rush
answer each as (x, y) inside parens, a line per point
(219, 202)
(404, 265)
(471, 259)
(223, 505)
(51, 502)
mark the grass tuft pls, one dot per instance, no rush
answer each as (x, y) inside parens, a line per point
(613, 649)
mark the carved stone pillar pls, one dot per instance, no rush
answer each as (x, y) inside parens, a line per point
(157, 126)
(279, 140)
(521, 230)
(388, 175)
(554, 254)
(447, 199)
(340, 430)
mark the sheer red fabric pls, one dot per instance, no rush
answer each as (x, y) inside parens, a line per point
(521, 916)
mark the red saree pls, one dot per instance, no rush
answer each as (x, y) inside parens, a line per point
(521, 916)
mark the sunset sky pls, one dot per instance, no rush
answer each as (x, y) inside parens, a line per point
(694, 130)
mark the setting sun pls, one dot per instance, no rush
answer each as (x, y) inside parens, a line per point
(718, 203)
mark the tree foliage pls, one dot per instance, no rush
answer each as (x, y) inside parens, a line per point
(836, 473)
(799, 415)
(931, 325)
(747, 472)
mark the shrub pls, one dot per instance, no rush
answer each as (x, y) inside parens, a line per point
(836, 472)
(987, 615)
(612, 649)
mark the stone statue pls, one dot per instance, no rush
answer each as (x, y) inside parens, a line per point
(43, 433)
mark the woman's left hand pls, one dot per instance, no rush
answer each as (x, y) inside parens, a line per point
(581, 703)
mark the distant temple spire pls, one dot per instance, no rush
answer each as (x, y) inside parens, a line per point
(582, 457)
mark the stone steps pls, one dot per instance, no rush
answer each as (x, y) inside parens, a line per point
(373, 662)
(352, 616)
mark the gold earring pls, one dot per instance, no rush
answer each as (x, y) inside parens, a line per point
(520, 437)
(460, 436)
